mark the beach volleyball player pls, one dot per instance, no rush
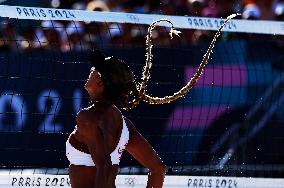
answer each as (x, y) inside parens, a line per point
(103, 133)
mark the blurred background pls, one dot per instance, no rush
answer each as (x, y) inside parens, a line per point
(125, 34)
(231, 123)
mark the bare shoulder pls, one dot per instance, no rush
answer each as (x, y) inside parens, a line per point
(88, 120)
(89, 113)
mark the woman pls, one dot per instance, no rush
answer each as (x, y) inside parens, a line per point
(103, 133)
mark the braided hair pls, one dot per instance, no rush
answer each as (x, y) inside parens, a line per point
(119, 80)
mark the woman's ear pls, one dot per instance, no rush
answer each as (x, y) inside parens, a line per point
(100, 82)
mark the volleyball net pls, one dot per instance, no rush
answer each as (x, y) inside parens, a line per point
(226, 131)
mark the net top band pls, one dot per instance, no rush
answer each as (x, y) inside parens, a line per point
(183, 22)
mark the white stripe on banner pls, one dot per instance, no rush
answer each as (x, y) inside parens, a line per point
(200, 23)
(137, 181)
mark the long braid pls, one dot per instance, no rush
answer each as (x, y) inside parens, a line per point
(149, 56)
(141, 87)
(193, 80)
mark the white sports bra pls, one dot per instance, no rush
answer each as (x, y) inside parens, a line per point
(77, 157)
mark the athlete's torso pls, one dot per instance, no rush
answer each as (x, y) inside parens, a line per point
(114, 130)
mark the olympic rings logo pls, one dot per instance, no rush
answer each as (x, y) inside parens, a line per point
(130, 181)
(134, 18)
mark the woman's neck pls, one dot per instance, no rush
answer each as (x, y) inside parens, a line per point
(102, 103)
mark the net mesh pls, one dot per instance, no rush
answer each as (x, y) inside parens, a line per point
(230, 123)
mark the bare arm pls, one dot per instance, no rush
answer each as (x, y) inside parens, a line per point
(87, 127)
(143, 152)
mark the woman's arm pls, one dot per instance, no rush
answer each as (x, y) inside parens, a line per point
(143, 152)
(87, 127)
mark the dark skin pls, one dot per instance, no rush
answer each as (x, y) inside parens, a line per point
(99, 128)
